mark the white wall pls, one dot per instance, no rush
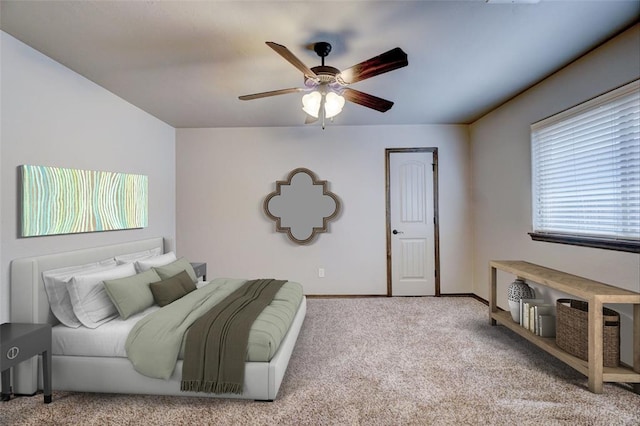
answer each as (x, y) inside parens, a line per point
(223, 176)
(52, 116)
(501, 176)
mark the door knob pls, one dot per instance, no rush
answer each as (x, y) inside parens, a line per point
(395, 232)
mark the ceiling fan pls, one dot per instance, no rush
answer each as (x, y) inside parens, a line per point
(328, 87)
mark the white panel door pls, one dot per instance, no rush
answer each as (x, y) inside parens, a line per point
(412, 223)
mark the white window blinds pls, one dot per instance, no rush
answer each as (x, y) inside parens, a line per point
(586, 168)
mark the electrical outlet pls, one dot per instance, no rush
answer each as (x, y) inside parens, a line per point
(321, 272)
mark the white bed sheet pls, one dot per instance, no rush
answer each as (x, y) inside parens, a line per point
(108, 340)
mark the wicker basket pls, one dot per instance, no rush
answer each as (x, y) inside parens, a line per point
(572, 332)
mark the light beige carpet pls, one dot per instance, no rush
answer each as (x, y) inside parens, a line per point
(379, 361)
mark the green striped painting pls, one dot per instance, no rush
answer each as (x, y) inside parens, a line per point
(66, 201)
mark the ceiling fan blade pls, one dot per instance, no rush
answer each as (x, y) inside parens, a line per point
(271, 93)
(367, 100)
(388, 61)
(286, 53)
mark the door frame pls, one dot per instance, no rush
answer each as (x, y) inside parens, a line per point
(436, 216)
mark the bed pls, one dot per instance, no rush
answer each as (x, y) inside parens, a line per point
(116, 374)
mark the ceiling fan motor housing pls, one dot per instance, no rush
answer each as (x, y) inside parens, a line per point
(325, 73)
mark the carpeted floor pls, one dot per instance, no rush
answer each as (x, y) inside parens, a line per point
(379, 361)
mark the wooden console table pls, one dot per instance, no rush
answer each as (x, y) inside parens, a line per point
(596, 294)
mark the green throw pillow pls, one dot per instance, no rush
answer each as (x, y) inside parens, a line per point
(173, 268)
(131, 294)
(171, 289)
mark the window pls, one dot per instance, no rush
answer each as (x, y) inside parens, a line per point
(586, 173)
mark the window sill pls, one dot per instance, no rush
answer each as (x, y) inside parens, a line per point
(618, 245)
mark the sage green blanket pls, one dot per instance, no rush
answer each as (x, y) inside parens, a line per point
(216, 343)
(155, 342)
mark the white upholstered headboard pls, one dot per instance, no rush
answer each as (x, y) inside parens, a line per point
(29, 301)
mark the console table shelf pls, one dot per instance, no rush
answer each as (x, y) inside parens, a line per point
(596, 294)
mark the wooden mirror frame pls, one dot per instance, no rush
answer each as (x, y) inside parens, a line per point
(278, 219)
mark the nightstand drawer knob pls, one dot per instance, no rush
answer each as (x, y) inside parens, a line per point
(13, 352)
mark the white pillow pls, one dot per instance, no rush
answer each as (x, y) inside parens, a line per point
(90, 301)
(164, 259)
(132, 257)
(55, 285)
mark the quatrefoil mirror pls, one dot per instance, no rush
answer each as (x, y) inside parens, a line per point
(301, 206)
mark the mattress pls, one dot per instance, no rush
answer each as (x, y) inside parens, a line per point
(108, 340)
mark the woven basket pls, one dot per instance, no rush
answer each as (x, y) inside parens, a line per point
(572, 332)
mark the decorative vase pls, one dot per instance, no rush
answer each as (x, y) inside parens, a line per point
(518, 290)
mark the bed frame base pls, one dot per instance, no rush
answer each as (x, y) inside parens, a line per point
(117, 375)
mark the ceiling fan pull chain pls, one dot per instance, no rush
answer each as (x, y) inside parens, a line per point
(322, 105)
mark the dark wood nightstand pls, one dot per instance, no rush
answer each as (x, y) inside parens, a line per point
(19, 342)
(200, 269)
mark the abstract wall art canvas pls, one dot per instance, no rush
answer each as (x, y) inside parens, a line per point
(66, 201)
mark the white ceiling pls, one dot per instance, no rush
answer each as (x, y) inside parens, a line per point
(186, 62)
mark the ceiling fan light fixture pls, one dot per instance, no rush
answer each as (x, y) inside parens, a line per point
(333, 104)
(311, 103)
